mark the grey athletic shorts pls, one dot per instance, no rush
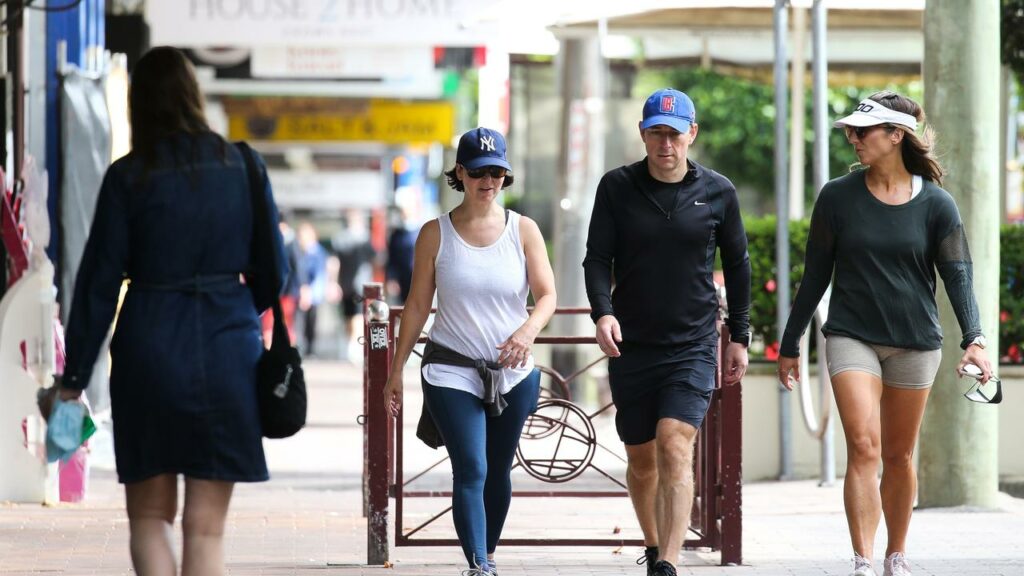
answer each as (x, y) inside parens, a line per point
(897, 367)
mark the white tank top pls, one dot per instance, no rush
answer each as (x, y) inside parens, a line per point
(481, 301)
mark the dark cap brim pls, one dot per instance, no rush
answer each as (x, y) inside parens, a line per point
(482, 161)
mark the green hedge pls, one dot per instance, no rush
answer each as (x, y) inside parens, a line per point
(761, 239)
(763, 274)
(1011, 293)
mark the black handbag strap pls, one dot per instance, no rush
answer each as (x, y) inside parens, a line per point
(261, 219)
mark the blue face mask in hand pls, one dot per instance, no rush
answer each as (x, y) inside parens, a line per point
(65, 430)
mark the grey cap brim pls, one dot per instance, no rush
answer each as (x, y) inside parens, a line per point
(675, 122)
(482, 161)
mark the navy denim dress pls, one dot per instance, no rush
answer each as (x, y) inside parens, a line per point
(183, 360)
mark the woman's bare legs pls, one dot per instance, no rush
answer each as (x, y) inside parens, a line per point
(206, 510)
(152, 505)
(902, 411)
(858, 396)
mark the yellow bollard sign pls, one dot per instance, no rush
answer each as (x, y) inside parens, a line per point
(387, 121)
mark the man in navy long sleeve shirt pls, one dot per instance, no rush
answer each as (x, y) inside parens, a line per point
(655, 227)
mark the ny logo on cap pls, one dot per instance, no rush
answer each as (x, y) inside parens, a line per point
(668, 103)
(487, 143)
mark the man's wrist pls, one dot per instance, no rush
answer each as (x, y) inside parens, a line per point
(743, 338)
(598, 315)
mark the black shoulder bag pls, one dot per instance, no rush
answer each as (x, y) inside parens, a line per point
(280, 383)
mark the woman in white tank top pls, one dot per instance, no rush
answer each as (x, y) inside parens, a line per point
(479, 381)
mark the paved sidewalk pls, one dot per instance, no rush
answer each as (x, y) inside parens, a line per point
(308, 520)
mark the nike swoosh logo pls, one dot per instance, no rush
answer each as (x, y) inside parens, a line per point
(696, 203)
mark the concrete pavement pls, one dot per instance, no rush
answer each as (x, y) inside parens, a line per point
(308, 519)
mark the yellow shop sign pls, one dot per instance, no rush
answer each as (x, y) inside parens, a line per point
(392, 122)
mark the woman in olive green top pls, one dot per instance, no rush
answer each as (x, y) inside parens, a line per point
(879, 234)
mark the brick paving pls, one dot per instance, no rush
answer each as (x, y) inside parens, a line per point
(308, 520)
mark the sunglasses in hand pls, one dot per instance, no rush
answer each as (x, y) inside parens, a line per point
(495, 172)
(983, 394)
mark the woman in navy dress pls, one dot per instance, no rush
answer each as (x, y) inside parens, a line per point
(174, 218)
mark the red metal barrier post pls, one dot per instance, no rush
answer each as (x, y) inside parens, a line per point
(378, 424)
(730, 446)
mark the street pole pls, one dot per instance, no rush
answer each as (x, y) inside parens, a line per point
(781, 29)
(819, 68)
(959, 439)
(583, 132)
(797, 146)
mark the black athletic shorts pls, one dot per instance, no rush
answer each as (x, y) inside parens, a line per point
(649, 383)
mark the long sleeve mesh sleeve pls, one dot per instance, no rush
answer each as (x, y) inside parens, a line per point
(953, 261)
(819, 264)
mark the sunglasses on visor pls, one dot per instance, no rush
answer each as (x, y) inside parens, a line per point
(494, 172)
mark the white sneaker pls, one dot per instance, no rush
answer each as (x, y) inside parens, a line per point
(896, 565)
(862, 566)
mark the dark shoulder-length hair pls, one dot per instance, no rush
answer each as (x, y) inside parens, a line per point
(163, 99)
(459, 186)
(917, 151)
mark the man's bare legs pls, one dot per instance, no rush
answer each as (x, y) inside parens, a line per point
(659, 476)
(642, 483)
(675, 485)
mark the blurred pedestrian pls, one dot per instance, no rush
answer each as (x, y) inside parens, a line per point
(312, 282)
(879, 234)
(175, 217)
(478, 377)
(654, 229)
(401, 246)
(355, 259)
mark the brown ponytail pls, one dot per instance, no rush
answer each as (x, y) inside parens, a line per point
(916, 150)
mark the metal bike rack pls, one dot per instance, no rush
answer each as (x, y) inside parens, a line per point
(558, 444)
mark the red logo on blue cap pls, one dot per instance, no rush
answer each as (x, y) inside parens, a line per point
(668, 103)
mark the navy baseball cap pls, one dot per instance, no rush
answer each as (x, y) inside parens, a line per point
(482, 147)
(671, 108)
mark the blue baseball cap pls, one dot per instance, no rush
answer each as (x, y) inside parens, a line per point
(671, 108)
(482, 147)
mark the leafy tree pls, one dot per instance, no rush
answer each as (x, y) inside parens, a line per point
(1013, 36)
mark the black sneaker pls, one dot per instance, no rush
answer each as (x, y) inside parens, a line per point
(650, 558)
(664, 568)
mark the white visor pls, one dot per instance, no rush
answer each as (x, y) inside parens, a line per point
(871, 113)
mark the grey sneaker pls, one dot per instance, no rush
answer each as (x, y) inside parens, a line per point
(650, 558)
(862, 566)
(896, 565)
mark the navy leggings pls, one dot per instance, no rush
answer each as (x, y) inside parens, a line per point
(482, 450)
